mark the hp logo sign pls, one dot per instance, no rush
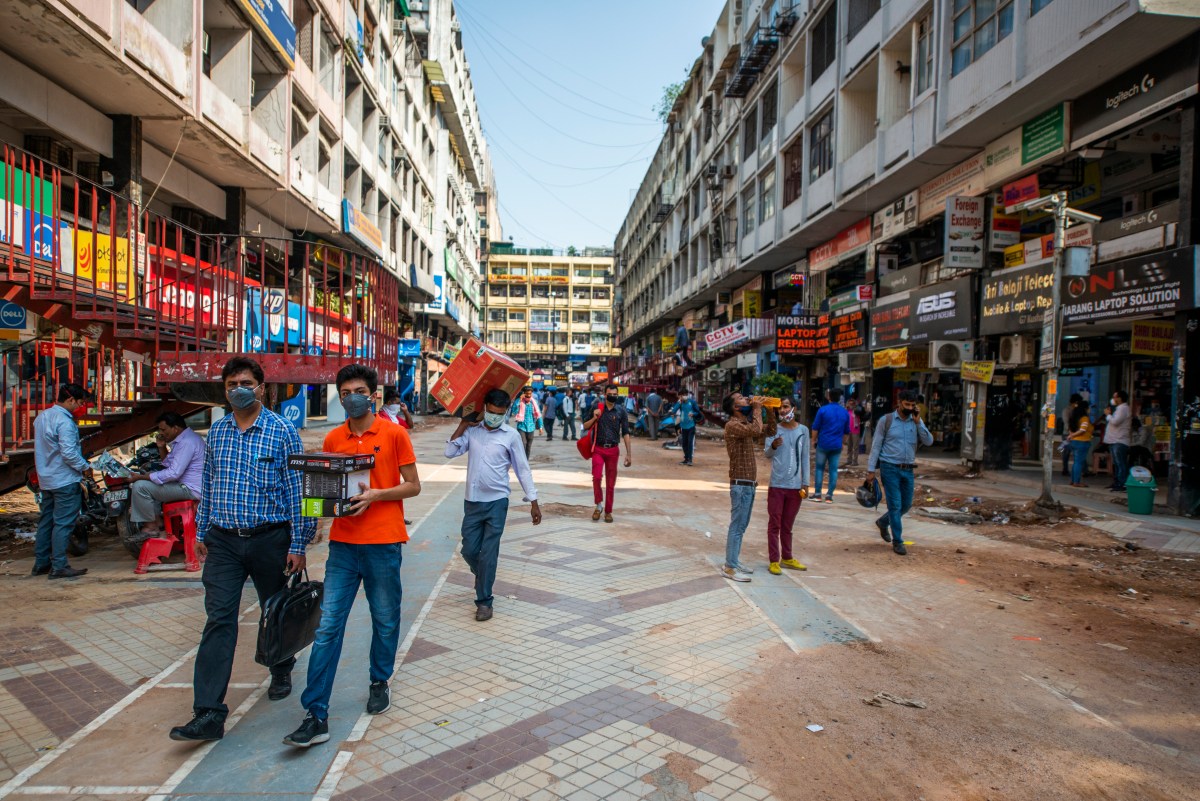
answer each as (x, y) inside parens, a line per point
(291, 412)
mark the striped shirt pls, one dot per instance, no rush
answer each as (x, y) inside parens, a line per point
(247, 482)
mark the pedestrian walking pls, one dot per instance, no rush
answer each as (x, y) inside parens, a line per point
(788, 452)
(654, 410)
(179, 480)
(528, 415)
(1117, 437)
(1079, 440)
(60, 467)
(248, 525)
(365, 547)
(612, 427)
(686, 414)
(858, 416)
(492, 449)
(568, 415)
(395, 410)
(550, 412)
(743, 432)
(831, 426)
(894, 456)
(1068, 416)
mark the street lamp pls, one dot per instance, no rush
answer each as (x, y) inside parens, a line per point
(1056, 205)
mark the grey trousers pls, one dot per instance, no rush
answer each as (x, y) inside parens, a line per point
(147, 499)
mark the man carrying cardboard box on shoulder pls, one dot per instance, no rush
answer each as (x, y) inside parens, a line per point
(363, 547)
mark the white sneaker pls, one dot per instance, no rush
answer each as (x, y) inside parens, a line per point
(733, 574)
(743, 569)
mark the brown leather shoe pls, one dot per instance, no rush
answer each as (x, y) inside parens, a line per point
(483, 613)
(596, 515)
(608, 517)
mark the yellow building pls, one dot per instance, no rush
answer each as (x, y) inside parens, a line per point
(551, 312)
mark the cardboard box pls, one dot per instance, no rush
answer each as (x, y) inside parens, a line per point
(333, 485)
(331, 462)
(475, 370)
(324, 507)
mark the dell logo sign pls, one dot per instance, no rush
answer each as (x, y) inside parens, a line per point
(12, 315)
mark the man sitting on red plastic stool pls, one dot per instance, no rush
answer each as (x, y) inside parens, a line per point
(179, 480)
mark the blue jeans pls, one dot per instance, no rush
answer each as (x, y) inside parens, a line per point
(1079, 451)
(1120, 459)
(482, 526)
(832, 457)
(898, 490)
(60, 510)
(741, 502)
(377, 567)
(687, 437)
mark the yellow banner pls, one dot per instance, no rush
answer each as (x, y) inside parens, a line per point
(980, 372)
(92, 257)
(892, 357)
(752, 303)
(668, 344)
(1153, 339)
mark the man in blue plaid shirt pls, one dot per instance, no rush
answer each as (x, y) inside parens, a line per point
(249, 524)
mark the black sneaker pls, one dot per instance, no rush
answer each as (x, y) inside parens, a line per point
(68, 573)
(483, 612)
(312, 731)
(380, 699)
(281, 687)
(205, 726)
(39, 571)
(899, 549)
(883, 530)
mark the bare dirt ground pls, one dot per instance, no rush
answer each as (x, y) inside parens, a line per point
(1048, 680)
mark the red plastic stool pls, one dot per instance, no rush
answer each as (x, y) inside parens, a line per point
(180, 520)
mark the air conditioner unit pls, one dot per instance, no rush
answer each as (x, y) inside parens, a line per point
(950, 355)
(711, 170)
(716, 375)
(728, 171)
(397, 27)
(854, 361)
(1016, 350)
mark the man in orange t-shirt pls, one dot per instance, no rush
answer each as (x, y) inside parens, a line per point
(364, 547)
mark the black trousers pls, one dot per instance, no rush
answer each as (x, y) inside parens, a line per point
(231, 559)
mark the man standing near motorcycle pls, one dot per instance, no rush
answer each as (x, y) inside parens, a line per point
(249, 525)
(60, 467)
(179, 479)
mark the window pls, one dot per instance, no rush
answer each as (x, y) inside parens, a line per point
(793, 172)
(860, 14)
(497, 315)
(1037, 5)
(924, 57)
(516, 316)
(748, 203)
(824, 42)
(978, 25)
(820, 146)
(601, 317)
(516, 338)
(766, 197)
(497, 291)
(749, 134)
(770, 108)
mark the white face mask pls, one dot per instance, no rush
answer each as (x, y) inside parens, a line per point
(393, 409)
(788, 416)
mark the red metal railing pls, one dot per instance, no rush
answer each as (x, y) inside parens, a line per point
(149, 301)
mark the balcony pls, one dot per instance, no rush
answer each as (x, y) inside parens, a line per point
(758, 53)
(220, 109)
(151, 48)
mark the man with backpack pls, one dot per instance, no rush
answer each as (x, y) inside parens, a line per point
(894, 456)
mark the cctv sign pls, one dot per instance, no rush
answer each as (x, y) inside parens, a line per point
(964, 233)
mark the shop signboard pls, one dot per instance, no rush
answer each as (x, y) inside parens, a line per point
(361, 229)
(1020, 150)
(1155, 284)
(1152, 339)
(1014, 300)
(1041, 249)
(889, 357)
(1158, 82)
(1092, 351)
(1020, 190)
(964, 233)
(800, 335)
(752, 303)
(848, 332)
(826, 255)
(866, 293)
(409, 348)
(942, 311)
(1136, 223)
(271, 19)
(899, 281)
(666, 344)
(585, 348)
(1005, 229)
(890, 323)
(727, 335)
(980, 372)
(845, 300)
(896, 218)
(965, 179)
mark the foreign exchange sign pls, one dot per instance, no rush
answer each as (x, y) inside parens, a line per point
(964, 233)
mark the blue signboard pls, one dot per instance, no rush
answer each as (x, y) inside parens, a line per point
(270, 17)
(407, 384)
(438, 305)
(294, 409)
(12, 316)
(283, 330)
(409, 348)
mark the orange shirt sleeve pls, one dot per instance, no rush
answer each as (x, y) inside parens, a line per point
(404, 449)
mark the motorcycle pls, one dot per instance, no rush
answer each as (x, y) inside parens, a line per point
(92, 512)
(118, 493)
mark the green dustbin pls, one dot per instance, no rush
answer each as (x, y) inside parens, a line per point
(1139, 491)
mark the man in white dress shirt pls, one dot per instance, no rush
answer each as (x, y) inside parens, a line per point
(492, 449)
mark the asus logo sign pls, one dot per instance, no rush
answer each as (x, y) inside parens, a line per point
(936, 303)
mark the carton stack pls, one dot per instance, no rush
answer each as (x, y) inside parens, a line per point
(476, 369)
(329, 480)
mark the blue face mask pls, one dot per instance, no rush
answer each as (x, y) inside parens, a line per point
(493, 420)
(356, 405)
(241, 397)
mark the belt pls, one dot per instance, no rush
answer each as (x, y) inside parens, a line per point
(614, 445)
(254, 531)
(902, 466)
(741, 482)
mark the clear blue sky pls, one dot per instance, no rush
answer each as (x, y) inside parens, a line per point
(594, 71)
